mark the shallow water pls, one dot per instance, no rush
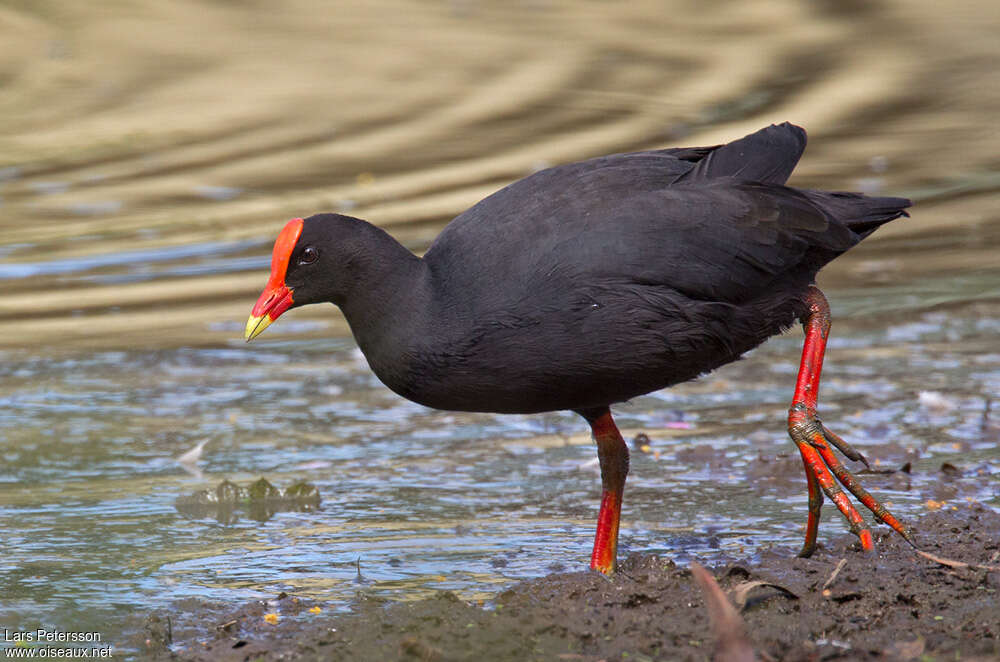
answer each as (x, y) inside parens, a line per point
(150, 153)
(422, 500)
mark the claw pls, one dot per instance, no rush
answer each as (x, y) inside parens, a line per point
(851, 482)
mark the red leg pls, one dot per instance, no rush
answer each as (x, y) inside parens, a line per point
(815, 507)
(613, 455)
(811, 437)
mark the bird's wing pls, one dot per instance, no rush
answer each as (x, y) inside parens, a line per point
(714, 223)
(766, 156)
(721, 241)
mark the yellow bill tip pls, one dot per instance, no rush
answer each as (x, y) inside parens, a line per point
(256, 326)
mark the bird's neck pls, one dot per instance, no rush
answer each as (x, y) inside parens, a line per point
(391, 300)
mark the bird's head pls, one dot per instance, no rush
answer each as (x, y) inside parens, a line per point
(311, 262)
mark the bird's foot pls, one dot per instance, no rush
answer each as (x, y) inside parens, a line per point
(813, 440)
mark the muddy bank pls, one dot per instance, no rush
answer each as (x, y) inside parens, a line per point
(895, 605)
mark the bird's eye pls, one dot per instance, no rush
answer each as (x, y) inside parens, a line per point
(309, 255)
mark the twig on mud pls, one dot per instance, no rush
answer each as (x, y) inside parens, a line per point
(731, 642)
(958, 564)
(833, 575)
(227, 625)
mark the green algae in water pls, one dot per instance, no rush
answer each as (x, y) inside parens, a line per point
(260, 500)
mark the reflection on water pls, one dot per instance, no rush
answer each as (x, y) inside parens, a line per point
(149, 154)
(131, 266)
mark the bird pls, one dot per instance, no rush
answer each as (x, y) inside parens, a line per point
(587, 284)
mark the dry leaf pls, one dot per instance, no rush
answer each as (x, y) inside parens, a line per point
(731, 642)
(741, 592)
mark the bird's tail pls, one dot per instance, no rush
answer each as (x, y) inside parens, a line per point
(861, 213)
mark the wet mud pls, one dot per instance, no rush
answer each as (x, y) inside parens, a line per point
(839, 604)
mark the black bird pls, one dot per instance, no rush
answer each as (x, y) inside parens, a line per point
(587, 284)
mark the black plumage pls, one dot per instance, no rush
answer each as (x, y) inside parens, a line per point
(590, 283)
